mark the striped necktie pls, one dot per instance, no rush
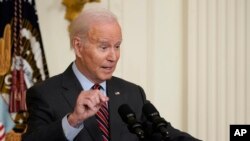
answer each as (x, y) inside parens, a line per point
(102, 117)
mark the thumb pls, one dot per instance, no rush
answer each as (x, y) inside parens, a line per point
(104, 98)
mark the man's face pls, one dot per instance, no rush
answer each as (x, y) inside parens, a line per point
(101, 52)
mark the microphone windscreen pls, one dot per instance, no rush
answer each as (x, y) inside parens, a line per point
(149, 110)
(128, 116)
(125, 112)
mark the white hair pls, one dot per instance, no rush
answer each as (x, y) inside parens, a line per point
(80, 26)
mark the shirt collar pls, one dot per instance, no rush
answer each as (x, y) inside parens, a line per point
(84, 81)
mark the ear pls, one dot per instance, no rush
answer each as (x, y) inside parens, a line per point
(77, 46)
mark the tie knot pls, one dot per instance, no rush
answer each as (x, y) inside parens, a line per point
(96, 86)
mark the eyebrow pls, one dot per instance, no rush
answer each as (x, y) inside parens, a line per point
(104, 41)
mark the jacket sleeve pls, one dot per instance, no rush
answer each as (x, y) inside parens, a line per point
(42, 124)
(174, 135)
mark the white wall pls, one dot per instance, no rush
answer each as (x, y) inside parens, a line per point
(168, 47)
(54, 35)
(152, 48)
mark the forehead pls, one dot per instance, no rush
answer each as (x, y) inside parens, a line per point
(105, 32)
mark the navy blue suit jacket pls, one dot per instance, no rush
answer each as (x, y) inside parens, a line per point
(49, 101)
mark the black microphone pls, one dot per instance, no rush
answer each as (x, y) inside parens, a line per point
(159, 123)
(128, 116)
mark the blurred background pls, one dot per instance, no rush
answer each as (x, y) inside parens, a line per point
(192, 57)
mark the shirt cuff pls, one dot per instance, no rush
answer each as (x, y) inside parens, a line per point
(69, 131)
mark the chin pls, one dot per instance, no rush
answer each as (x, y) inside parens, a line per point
(107, 77)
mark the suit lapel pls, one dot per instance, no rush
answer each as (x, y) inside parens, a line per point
(71, 89)
(115, 99)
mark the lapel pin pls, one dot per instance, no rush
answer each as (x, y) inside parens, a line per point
(117, 93)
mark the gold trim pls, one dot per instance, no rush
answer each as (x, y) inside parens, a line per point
(5, 50)
(74, 7)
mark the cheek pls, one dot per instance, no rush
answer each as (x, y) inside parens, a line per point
(118, 55)
(89, 60)
(95, 60)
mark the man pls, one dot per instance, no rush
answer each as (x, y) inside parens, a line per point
(66, 106)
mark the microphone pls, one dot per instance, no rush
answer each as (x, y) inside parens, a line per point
(159, 123)
(128, 116)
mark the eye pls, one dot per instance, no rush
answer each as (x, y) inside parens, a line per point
(103, 47)
(117, 47)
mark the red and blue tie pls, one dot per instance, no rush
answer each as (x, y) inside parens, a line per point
(102, 117)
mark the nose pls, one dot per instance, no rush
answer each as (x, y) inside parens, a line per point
(113, 55)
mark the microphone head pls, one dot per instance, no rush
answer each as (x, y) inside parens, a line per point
(159, 124)
(150, 111)
(126, 113)
(128, 116)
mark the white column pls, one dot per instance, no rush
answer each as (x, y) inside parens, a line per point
(222, 127)
(218, 67)
(248, 62)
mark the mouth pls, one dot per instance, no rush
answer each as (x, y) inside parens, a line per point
(108, 69)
